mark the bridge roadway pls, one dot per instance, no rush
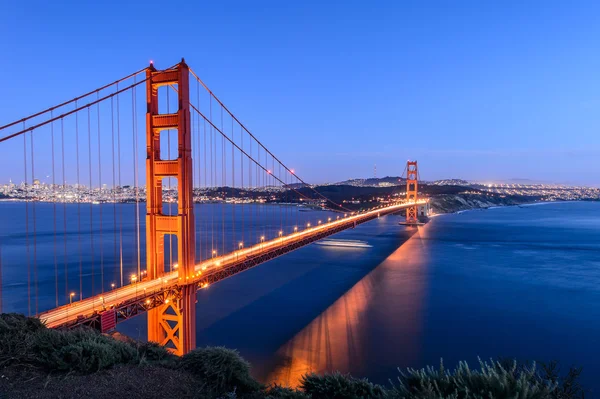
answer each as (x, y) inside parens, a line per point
(138, 297)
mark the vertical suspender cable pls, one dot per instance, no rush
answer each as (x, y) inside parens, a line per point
(101, 198)
(223, 184)
(114, 189)
(135, 172)
(90, 191)
(79, 206)
(64, 186)
(199, 234)
(26, 187)
(35, 275)
(120, 188)
(54, 211)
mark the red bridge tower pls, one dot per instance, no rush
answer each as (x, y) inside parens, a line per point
(173, 323)
(411, 191)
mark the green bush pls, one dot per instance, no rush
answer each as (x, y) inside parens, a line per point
(339, 386)
(151, 352)
(81, 350)
(493, 380)
(279, 392)
(221, 370)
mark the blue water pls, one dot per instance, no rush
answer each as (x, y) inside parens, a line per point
(520, 282)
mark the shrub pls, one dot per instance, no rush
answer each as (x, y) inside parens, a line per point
(81, 350)
(221, 370)
(339, 386)
(493, 381)
(151, 352)
(279, 392)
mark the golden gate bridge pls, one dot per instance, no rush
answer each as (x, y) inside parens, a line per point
(196, 151)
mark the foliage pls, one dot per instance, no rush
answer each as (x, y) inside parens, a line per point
(279, 392)
(567, 386)
(82, 350)
(339, 386)
(25, 341)
(493, 380)
(221, 370)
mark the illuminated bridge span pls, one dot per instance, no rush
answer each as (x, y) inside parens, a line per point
(197, 156)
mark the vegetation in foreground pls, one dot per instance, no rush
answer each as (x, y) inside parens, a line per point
(43, 363)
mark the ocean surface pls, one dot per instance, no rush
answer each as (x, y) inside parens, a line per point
(512, 282)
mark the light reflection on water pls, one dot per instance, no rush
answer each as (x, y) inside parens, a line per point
(341, 338)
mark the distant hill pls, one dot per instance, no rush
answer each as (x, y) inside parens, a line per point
(387, 181)
(451, 182)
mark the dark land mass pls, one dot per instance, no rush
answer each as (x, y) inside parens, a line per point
(444, 198)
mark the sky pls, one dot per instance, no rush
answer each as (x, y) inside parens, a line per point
(484, 91)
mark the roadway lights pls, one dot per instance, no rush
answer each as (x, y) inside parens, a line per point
(175, 265)
(133, 278)
(262, 238)
(112, 286)
(280, 233)
(241, 245)
(319, 222)
(345, 215)
(71, 298)
(329, 219)
(307, 224)
(295, 229)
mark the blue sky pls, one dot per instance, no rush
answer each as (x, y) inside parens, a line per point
(475, 90)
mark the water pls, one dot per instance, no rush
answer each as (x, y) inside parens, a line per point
(519, 282)
(509, 282)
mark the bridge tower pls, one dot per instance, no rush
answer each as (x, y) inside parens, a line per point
(411, 191)
(173, 323)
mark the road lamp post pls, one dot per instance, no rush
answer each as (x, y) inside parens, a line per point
(281, 235)
(240, 246)
(134, 281)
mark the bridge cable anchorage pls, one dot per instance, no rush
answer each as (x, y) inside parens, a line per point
(260, 143)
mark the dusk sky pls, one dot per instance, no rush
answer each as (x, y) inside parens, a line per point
(478, 90)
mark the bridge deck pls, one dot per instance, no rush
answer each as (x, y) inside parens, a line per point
(141, 296)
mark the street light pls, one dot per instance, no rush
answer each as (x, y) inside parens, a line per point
(295, 229)
(71, 298)
(307, 225)
(214, 253)
(329, 219)
(134, 281)
(281, 235)
(112, 286)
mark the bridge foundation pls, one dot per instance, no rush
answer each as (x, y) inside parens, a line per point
(173, 323)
